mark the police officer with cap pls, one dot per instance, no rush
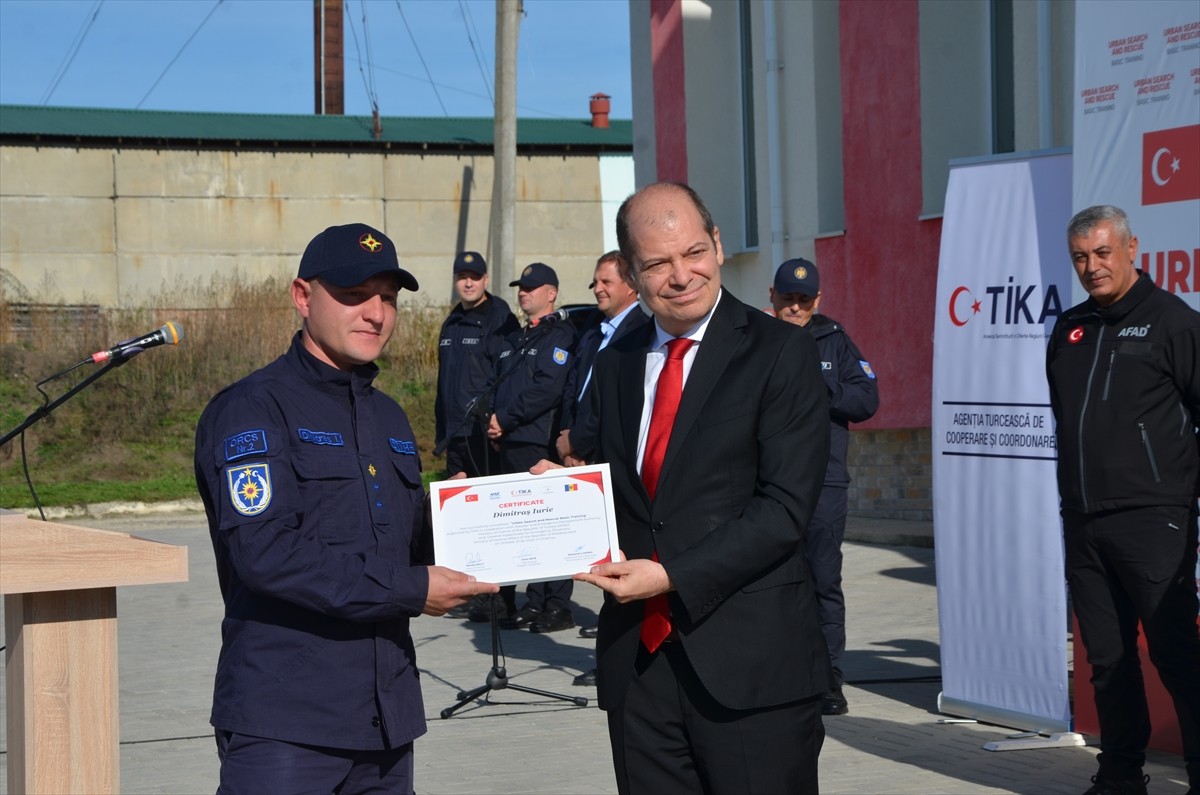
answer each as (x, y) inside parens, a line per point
(469, 348)
(312, 486)
(853, 397)
(528, 400)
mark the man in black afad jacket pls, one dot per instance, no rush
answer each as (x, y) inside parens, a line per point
(469, 347)
(1124, 373)
(853, 397)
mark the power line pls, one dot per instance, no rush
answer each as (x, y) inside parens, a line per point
(371, 92)
(469, 93)
(469, 24)
(359, 61)
(69, 57)
(421, 58)
(204, 21)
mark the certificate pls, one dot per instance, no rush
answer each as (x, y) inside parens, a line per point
(525, 528)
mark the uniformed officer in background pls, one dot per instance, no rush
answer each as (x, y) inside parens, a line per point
(312, 487)
(853, 397)
(533, 372)
(469, 346)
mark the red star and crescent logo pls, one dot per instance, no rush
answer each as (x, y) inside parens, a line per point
(975, 306)
(1075, 335)
(368, 243)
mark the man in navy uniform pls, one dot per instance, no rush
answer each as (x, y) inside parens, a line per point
(312, 487)
(853, 397)
(469, 347)
(533, 371)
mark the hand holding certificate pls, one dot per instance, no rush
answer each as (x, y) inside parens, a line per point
(525, 528)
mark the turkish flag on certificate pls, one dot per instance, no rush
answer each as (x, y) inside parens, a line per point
(1171, 165)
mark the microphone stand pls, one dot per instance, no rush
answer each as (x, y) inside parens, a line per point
(497, 677)
(44, 410)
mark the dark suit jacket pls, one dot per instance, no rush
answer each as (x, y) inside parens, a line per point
(577, 410)
(739, 483)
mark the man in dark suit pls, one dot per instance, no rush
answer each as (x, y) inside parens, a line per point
(712, 666)
(615, 289)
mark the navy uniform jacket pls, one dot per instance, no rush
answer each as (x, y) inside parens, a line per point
(469, 347)
(853, 394)
(528, 400)
(312, 486)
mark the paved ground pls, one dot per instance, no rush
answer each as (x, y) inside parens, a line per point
(891, 742)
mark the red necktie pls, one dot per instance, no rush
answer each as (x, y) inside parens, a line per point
(656, 623)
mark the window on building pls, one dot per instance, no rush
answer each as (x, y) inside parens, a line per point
(749, 183)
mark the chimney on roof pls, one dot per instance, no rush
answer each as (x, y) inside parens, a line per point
(600, 106)
(327, 57)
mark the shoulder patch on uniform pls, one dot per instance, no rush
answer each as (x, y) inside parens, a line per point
(866, 368)
(560, 356)
(245, 443)
(402, 447)
(249, 488)
(321, 437)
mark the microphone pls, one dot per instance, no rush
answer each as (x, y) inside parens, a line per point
(557, 316)
(170, 334)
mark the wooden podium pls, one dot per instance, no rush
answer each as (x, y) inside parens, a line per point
(60, 626)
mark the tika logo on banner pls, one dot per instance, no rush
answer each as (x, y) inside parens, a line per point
(1007, 304)
(1171, 165)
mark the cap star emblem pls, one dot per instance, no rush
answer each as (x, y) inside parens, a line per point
(369, 243)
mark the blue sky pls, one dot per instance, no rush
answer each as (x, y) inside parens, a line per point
(256, 56)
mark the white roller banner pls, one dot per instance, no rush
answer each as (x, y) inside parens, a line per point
(1003, 279)
(1137, 129)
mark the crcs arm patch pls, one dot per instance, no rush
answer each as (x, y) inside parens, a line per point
(249, 488)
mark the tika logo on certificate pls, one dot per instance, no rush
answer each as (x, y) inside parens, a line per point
(542, 527)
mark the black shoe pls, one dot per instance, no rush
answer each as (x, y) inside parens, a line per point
(589, 632)
(834, 703)
(585, 679)
(553, 620)
(464, 610)
(523, 618)
(481, 613)
(1105, 785)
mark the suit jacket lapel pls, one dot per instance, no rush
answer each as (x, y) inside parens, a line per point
(632, 383)
(721, 341)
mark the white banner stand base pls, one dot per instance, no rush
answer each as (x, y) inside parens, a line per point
(1038, 742)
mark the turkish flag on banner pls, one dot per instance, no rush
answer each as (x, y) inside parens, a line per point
(1171, 165)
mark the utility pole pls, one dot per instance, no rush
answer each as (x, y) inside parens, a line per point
(327, 57)
(504, 155)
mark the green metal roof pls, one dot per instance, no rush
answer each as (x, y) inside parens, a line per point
(34, 124)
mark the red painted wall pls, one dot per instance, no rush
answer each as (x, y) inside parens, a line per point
(880, 278)
(670, 96)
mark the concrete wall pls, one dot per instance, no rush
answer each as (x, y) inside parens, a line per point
(115, 226)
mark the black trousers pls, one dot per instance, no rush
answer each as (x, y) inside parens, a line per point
(1124, 567)
(670, 737)
(555, 594)
(823, 549)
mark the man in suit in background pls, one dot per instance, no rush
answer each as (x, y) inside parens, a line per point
(715, 423)
(617, 300)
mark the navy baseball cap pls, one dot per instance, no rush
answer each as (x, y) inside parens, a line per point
(471, 261)
(348, 255)
(798, 276)
(536, 275)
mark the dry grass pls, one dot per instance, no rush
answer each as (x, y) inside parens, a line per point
(138, 421)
